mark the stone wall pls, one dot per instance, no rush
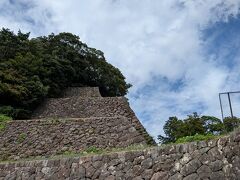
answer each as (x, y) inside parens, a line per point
(214, 159)
(22, 139)
(82, 92)
(85, 107)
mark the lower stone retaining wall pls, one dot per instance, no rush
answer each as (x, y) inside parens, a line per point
(22, 139)
(214, 159)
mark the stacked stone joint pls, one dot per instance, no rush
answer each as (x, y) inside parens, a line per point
(24, 139)
(87, 102)
(80, 120)
(214, 159)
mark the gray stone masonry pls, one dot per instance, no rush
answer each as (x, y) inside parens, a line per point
(87, 102)
(82, 92)
(24, 139)
(214, 159)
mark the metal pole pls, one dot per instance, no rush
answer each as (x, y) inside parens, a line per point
(230, 104)
(221, 105)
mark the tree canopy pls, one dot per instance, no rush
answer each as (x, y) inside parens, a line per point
(194, 124)
(32, 69)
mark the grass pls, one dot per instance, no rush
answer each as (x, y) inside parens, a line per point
(197, 137)
(87, 152)
(96, 151)
(200, 137)
(21, 138)
(3, 121)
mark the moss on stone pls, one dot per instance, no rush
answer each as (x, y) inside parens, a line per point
(21, 137)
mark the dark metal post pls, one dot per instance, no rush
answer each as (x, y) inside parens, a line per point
(229, 100)
(230, 104)
(221, 105)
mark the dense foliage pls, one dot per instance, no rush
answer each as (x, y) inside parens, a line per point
(3, 121)
(32, 69)
(195, 125)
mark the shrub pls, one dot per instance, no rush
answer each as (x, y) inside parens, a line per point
(196, 137)
(3, 121)
(7, 110)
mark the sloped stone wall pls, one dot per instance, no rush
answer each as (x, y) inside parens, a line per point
(85, 107)
(82, 92)
(22, 139)
(214, 159)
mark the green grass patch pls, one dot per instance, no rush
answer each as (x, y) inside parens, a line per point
(93, 150)
(96, 151)
(196, 137)
(21, 138)
(87, 152)
(3, 121)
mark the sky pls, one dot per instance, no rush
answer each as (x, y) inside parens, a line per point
(177, 54)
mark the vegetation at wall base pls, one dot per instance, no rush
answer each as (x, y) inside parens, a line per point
(91, 151)
(196, 138)
(32, 69)
(3, 121)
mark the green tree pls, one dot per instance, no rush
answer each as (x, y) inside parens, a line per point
(231, 123)
(33, 69)
(194, 124)
(213, 125)
(173, 129)
(11, 44)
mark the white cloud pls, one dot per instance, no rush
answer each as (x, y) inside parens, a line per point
(154, 43)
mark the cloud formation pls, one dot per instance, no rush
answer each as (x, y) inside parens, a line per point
(164, 48)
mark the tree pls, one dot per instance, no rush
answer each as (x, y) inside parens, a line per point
(11, 44)
(231, 123)
(33, 69)
(194, 124)
(213, 125)
(173, 129)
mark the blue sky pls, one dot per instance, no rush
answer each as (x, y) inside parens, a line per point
(177, 54)
(224, 41)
